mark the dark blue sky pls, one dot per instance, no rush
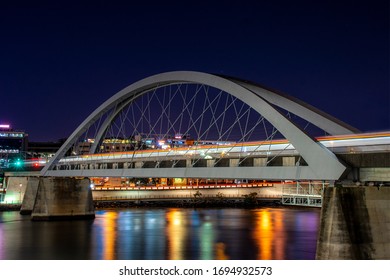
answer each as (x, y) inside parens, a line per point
(59, 61)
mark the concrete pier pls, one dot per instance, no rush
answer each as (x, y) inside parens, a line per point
(355, 224)
(63, 198)
(29, 196)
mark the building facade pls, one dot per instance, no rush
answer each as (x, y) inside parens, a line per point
(13, 146)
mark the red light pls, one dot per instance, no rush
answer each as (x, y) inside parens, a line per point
(36, 164)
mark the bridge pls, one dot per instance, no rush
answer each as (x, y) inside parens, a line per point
(201, 107)
(197, 125)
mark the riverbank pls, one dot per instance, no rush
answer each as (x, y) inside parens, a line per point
(185, 204)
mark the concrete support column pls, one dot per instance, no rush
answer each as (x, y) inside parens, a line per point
(63, 198)
(29, 196)
(257, 162)
(210, 162)
(233, 162)
(288, 161)
(355, 224)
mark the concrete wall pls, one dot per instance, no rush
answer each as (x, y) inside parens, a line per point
(355, 223)
(375, 174)
(366, 160)
(16, 187)
(266, 191)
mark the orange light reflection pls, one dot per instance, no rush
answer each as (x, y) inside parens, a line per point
(176, 233)
(220, 251)
(269, 234)
(109, 233)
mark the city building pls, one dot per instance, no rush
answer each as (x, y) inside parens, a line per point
(13, 146)
(43, 149)
(108, 145)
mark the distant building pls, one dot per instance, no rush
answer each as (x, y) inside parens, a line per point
(109, 145)
(142, 142)
(13, 145)
(44, 149)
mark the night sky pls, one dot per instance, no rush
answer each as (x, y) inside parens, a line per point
(59, 61)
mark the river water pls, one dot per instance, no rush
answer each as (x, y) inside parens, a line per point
(276, 233)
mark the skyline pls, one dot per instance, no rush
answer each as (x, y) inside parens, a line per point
(61, 61)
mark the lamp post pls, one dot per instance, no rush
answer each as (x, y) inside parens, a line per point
(138, 186)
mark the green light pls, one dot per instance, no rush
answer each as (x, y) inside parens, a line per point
(18, 162)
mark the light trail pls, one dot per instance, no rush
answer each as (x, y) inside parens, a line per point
(341, 143)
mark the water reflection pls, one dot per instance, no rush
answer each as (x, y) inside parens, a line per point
(269, 234)
(207, 241)
(220, 253)
(175, 234)
(20, 238)
(130, 234)
(109, 233)
(167, 233)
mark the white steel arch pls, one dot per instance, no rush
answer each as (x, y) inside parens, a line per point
(326, 122)
(322, 164)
